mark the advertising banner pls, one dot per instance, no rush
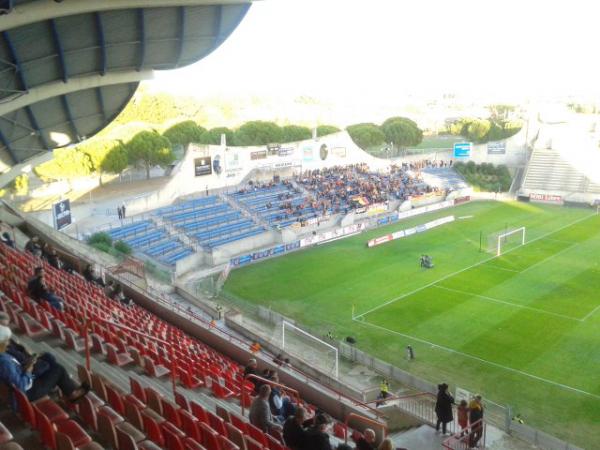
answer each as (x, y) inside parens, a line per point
(256, 256)
(273, 149)
(546, 198)
(410, 231)
(286, 151)
(202, 166)
(462, 149)
(307, 154)
(329, 235)
(61, 212)
(340, 152)
(259, 154)
(496, 148)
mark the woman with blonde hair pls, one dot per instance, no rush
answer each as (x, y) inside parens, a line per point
(386, 444)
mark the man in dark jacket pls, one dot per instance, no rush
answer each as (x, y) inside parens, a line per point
(443, 407)
(38, 290)
(317, 438)
(294, 434)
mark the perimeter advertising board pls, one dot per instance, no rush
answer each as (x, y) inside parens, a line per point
(546, 198)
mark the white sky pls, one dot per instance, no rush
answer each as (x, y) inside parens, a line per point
(381, 49)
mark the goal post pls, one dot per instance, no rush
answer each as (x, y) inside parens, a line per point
(516, 236)
(309, 348)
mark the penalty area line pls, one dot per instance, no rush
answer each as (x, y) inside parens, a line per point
(485, 361)
(472, 266)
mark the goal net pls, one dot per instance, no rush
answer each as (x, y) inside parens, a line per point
(313, 351)
(501, 242)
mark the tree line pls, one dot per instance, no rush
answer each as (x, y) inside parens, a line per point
(481, 131)
(399, 132)
(148, 149)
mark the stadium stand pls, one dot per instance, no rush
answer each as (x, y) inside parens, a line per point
(154, 241)
(341, 189)
(548, 171)
(140, 416)
(278, 203)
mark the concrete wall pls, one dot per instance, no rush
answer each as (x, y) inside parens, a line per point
(224, 253)
(189, 263)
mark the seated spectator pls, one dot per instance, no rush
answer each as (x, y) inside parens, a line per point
(36, 383)
(90, 275)
(260, 413)
(343, 446)
(34, 247)
(281, 404)
(386, 444)
(52, 258)
(38, 290)
(294, 433)
(250, 369)
(317, 437)
(7, 240)
(119, 296)
(109, 288)
(367, 441)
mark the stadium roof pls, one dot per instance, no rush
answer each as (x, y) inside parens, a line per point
(67, 69)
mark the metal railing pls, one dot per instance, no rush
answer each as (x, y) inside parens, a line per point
(466, 439)
(359, 418)
(283, 387)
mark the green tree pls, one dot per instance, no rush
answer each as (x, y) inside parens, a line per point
(68, 163)
(366, 135)
(97, 150)
(294, 133)
(257, 132)
(478, 130)
(403, 132)
(213, 136)
(324, 130)
(184, 132)
(148, 149)
(116, 160)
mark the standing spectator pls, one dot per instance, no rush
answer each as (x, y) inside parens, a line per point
(260, 413)
(463, 416)
(34, 247)
(476, 420)
(38, 290)
(36, 384)
(294, 434)
(123, 211)
(119, 212)
(317, 438)
(367, 441)
(250, 369)
(443, 407)
(386, 444)
(384, 392)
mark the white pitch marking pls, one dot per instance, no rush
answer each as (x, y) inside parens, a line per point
(483, 261)
(516, 305)
(504, 268)
(591, 313)
(549, 258)
(466, 355)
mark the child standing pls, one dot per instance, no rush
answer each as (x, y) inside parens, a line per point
(463, 416)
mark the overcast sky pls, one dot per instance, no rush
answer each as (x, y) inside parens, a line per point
(375, 49)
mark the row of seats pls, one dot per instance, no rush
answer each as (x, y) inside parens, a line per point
(185, 205)
(141, 418)
(267, 202)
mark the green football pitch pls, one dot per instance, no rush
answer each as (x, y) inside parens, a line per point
(522, 329)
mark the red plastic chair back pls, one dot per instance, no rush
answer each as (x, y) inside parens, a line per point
(25, 409)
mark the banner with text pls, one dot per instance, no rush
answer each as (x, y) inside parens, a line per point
(410, 231)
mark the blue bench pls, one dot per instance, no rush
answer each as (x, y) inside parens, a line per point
(187, 205)
(236, 237)
(208, 223)
(136, 227)
(172, 259)
(223, 230)
(146, 239)
(197, 213)
(163, 247)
